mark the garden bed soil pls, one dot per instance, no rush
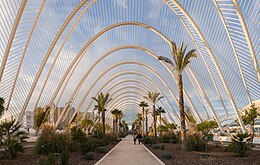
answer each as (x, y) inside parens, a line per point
(76, 158)
(216, 156)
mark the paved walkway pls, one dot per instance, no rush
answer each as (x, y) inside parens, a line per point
(126, 153)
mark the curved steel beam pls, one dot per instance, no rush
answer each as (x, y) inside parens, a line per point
(203, 58)
(194, 25)
(46, 57)
(139, 82)
(248, 39)
(138, 63)
(198, 94)
(111, 104)
(206, 98)
(60, 49)
(79, 56)
(120, 99)
(118, 75)
(11, 39)
(24, 52)
(122, 73)
(126, 81)
(234, 50)
(126, 102)
(77, 89)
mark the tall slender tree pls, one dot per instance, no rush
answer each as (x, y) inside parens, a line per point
(117, 114)
(250, 116)
(181, 60)
(98, 111)
(102, 101)
(139, 120)
(143, 104)
(146, 121)
(160, 110)
(40, 116)
(154, 97)
(2, 108)
(86, 124)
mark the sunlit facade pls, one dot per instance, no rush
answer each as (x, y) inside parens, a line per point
(62, 52)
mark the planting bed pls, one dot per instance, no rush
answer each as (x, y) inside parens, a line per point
(216, 156)
(76, 158)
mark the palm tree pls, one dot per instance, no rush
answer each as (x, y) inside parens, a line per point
(181, 60)
(117, 114)
(146, 121)
(2, 108)
(99, 111)
(102, 100)
(154, 97)
(40, 117)
(12, 137)
(86, 124)
(143, 104)
(160, 110)
(125, 127)
(138, 121)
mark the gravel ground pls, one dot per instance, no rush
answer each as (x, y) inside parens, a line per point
(216, 156)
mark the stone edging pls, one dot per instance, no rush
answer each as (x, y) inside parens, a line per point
(107, 154)
(155, 157)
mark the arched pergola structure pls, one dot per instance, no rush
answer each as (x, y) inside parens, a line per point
(49, 55)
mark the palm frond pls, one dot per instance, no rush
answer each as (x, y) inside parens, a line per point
(165, 59)
(160, 98)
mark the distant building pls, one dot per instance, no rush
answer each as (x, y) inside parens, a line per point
(29, 119)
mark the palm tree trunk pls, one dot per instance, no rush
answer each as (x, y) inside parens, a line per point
(146, 123)
(154, 120)
(182, 113)
(103, 121)
(143, 123)
(119, 125)
(116, 127)
(99, 121)
(160, 118)
(253, 131)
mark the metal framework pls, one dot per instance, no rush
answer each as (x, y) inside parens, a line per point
(64, 52)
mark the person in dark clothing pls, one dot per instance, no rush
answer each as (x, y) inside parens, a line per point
(139, 136)
(134, 140)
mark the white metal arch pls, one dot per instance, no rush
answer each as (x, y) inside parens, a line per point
(206, 45)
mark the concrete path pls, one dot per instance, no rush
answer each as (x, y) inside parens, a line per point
(126, 153)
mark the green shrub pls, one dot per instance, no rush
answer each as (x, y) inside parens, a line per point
(50, 143)
(166, 155)
(90, 156)
(240, 144)
(147, 140)
(160, 139)
(102, 142)
(89, 145)
(101, 150)
(75, 146)
(13, 148)
(65, 157)
(10, 138)
(195, 142)
(50, 160)
(156, 146)
(162, 147)
(77, 134)
(166, 139)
